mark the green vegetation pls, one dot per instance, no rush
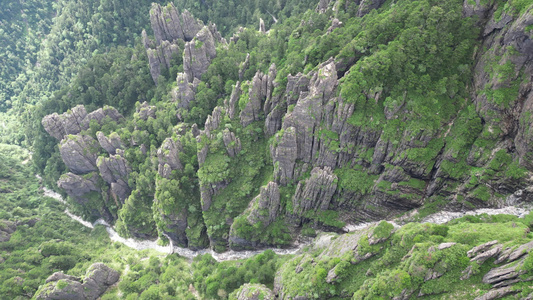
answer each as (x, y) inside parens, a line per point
(404, 125)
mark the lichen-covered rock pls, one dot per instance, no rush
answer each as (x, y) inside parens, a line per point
(6, 229)
(184, 92)
(79, 187)
(284, 154)
(169, 25)
(260, 92)
(506, 272)
(251, 291)
(113, 168)
(161, 57)
(79, 153)
(110, 144)
(315, 193)
(146, 111)
(497, 293)
(101, 115)
(60, 275)
(168, 155)
(198, 54)
(76, 120)
(231, 105)
(213, 121)
(96, 281)
(263, 209)
(68, 123)
(232, 143)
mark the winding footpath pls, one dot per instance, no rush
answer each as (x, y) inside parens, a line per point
(437, 218)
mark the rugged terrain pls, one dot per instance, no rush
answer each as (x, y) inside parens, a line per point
(243, 126)
(380, 127)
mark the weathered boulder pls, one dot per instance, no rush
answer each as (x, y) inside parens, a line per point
(79, 153)
(110, 144)
(59, 276)
(115, 170)
(79, 187)
(68, 123)
(252, 291)
(506, 272)
(95, 282)
(481, 248)
(497, 293)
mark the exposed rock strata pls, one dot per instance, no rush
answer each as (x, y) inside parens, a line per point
(79, 153)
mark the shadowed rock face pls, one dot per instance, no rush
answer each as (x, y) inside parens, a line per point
(79, 153)
(198, 54)
(96, 281)
(316, 193)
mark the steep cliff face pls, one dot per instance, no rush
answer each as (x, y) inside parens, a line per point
(408, 113)
(171, 29)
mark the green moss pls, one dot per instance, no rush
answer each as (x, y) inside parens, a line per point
(355, 179)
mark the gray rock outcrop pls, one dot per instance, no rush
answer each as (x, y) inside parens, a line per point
(284, 155)
(7, 228)
(198, 54)
(316, 192)
(145, 111)
(171, 29)
(168, 156)
(96, 281)
(68, 123)
(232, 143)
(115, 170)
(260, 92)
(79, 153)
(252, 291)
(168, 24)
(185, 91)
(110, 144)
(161, 57)
(79, 187)
(76, 120)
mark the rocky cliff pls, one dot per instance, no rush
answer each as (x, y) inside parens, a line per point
(356, 136)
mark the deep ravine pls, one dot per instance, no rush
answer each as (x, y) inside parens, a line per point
(437, 218)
